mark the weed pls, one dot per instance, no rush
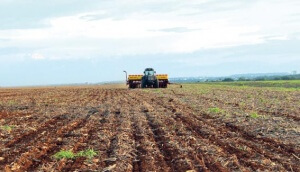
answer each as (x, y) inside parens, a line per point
(89, 153)
(68, 154)
(215, 110)
(254, 115)
(64, 154)
(7, 128)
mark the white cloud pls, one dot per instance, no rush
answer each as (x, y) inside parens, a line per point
(147, 31)
(37, 56)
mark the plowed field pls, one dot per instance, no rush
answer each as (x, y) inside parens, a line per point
(193, 128)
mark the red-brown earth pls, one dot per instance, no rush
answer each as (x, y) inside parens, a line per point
(194, 128)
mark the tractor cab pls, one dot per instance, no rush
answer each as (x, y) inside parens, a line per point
(149, 72)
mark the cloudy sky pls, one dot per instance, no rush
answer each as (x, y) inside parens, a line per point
(75, 41)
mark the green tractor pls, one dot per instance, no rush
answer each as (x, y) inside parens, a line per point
(149, 80)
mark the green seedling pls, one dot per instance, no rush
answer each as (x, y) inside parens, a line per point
(6, 128)
(68, 154)
(89, 153)
(254, 115)
(215, 110)
(64, 154)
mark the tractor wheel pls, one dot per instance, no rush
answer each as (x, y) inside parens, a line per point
(156, 84)
(165, 84)
(143, 84)
(130, 85)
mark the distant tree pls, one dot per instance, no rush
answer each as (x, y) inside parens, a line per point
(277, 78)
(260, 79)
(227, 80)
(242, 79)
(286, 78)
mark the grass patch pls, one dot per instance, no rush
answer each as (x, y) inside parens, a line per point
(89, 153)
(215, 110)
(68, 154)
(254, 115)
(64, 154)
(7, 128)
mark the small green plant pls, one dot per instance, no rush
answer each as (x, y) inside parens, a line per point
(68, 154)
(64, 154)
(89, 153)
(254, 115)
(215, 110)
(7, 128)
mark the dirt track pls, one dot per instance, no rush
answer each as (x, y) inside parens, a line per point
(131, 130)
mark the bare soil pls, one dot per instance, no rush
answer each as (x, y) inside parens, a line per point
(146, 130)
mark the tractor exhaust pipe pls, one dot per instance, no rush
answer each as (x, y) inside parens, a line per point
(126, 76)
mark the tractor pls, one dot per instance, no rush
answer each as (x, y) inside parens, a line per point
(149, 80)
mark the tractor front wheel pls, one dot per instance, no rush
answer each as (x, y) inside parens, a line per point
(143, 84)
(156, 84)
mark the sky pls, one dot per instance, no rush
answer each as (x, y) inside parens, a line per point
(75, 41)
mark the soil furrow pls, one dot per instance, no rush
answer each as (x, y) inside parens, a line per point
(175, 158)
(278, 114)
(214, 137)
(194, 128)
(32, 158)
(271, 144)
(148, 153)
(27, 140)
